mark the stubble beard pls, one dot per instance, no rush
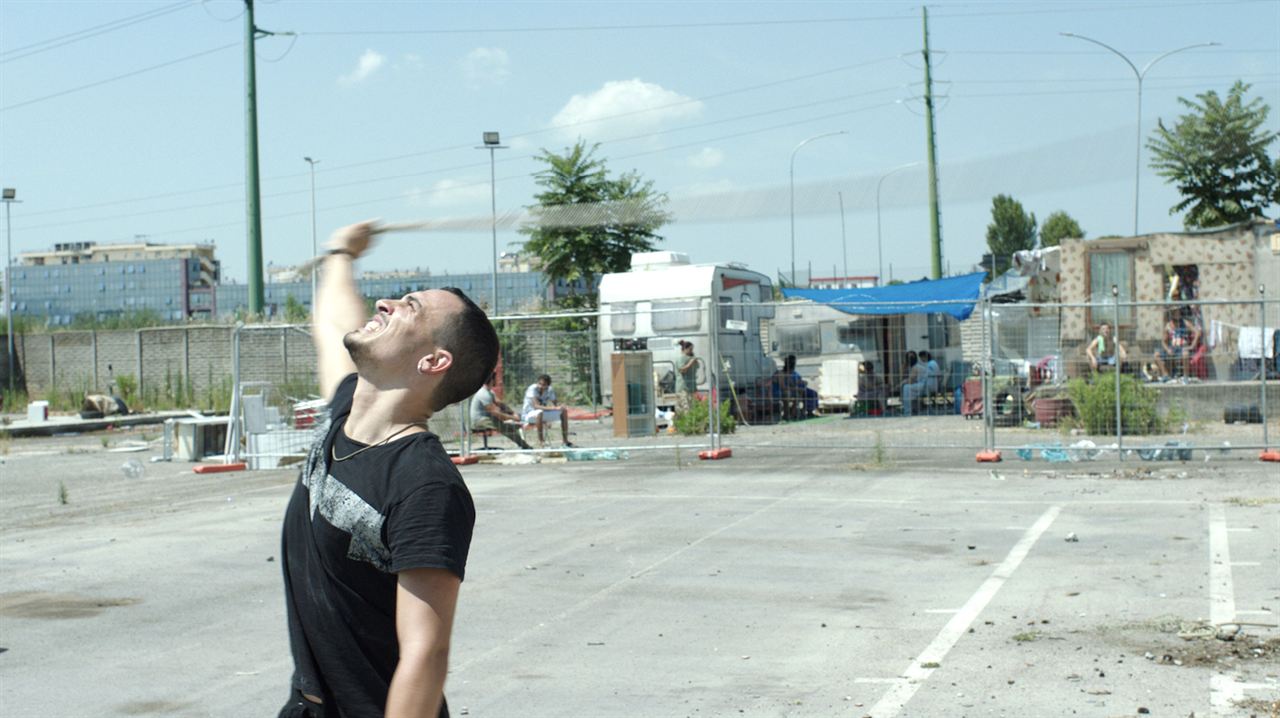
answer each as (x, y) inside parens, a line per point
(357, 349)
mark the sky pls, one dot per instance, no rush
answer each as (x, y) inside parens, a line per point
(122, 121)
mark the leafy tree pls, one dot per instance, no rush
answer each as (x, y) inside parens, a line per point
(1216, 155)
(1057, 227)
(1011, 230)
(586, 223)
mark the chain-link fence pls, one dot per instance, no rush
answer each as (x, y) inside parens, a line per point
(1182, 380)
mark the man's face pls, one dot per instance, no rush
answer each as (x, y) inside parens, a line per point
(543, 385)
(401, 331)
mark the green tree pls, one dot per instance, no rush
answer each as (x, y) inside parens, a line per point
(1216, 156)
(587, 224)
(1057, 227)
(294, 312)
(1011, 230)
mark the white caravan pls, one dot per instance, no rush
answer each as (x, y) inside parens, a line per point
(664, 298)
(830, 344)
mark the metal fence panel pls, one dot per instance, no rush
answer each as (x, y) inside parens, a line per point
(1177, 380)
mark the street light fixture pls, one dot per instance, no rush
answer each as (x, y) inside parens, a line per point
(793, 194)
(1140, 75)
(315, 251)
(9, 197)
(491, 143)
(879, 245)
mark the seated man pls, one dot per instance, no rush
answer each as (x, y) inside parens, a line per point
(489, 414)
(871, 390)
(540, 407)
(932, 373)
(1104, 352)
(913, 387)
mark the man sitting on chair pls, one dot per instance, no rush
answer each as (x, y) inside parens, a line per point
(540, 407)
(489, 414)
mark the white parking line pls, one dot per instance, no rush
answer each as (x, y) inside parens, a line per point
(923, 665)
(1222, 597)
(1223, 690)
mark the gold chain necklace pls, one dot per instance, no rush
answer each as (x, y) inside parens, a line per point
(333, 449)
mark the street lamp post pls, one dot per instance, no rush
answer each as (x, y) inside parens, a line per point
(315, 251)
(1140, 75)
(491, 143)
(793, 194)
(844, 243)
(879, 244)
(10, 196)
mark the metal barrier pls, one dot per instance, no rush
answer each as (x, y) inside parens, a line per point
(1185, 379)
(586, 354)
(1181, 380)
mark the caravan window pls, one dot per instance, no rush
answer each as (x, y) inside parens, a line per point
(678, 315)
(799, 339)
(858, 335)
(623, 319)
(726, 310)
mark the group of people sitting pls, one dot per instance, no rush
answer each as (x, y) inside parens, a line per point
(540, 408)
(923, 379)
(1181, 345)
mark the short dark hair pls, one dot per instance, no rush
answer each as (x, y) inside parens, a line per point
(470, 336)
(546, 378)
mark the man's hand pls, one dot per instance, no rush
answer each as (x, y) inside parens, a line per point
(355, 238)
(338, 306)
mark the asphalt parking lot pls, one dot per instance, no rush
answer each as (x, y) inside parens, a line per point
(775, 583)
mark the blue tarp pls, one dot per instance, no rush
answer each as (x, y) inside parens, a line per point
(961, 292)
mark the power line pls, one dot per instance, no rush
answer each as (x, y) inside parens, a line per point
(1071, 9)
(1116, 90)
(1126, 79)
(470, 165)
(67, 39)
(1217, 50)
(118, 77)
(592, 28)
(440, 150)
(669, 148)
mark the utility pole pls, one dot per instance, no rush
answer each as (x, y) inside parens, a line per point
(935, 225)
(253, 203)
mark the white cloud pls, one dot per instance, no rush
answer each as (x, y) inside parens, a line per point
(368, 64)
(707, 158)
(637, 105)
(449, 193)
(486, 66)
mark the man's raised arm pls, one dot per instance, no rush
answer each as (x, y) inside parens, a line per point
(337, 307)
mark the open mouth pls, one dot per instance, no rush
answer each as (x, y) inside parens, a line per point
(374, 326)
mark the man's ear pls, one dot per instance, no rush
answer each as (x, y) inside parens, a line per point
(436, 362)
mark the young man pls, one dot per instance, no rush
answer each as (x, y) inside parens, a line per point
(540, 408)
(490, 414)
(1105, 352)
(377, 532)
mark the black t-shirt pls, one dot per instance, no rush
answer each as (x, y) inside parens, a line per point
(350, 527)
